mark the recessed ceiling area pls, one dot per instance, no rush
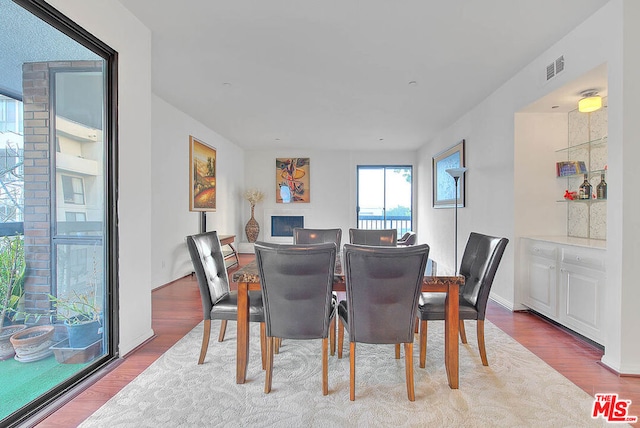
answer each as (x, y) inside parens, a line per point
(336, 74)
(566, 98)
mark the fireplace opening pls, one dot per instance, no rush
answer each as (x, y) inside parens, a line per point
(282, 225)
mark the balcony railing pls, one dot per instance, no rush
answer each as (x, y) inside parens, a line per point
(401, 223)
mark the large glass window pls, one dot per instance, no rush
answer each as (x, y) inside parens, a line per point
(384, 198)
(57, 216)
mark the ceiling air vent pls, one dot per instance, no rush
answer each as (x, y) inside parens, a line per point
(559, 64)
(551, 70)
(555, 67)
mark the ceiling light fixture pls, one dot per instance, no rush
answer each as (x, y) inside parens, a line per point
(590, 101)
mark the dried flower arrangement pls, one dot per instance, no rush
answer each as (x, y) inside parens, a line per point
(253, 196)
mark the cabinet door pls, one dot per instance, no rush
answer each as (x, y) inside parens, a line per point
(582, 294)
(541, 290)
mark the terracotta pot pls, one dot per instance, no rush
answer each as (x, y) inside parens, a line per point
(252, 229)
(32, 344)
(6, 348)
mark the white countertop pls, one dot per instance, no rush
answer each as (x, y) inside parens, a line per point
(569, 240)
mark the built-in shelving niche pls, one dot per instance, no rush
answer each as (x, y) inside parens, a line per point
(587, 142)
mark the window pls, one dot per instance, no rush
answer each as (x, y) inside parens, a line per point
(75, 216)
(73, 190)
(384, 198)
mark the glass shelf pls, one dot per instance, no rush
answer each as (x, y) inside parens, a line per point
(582, 200)
(592, 143)
(595, 172)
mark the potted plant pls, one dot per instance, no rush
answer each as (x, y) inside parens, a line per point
(12, 270)
(81, 314)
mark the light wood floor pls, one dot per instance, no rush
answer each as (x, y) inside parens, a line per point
(177, 309)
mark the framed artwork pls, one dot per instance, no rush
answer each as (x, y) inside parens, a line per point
(292, 180)
(202, 176)
(444, 187)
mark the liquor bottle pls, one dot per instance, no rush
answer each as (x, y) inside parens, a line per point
(584, 191)
(601, 188)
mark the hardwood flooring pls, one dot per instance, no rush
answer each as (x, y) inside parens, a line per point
(177, 309)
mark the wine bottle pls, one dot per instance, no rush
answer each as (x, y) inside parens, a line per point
(584, 191)
(601, 188)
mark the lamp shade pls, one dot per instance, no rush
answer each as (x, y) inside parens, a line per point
(589, 104)
(456, 172)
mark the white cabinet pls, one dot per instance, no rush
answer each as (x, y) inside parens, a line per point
(541, 277)
(566, 283)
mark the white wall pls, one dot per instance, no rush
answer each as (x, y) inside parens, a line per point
(332, 185)
(536, 187)
(132, 41)
(492, 203)
(172, 221)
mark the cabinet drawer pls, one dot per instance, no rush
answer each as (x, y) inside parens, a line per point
(539, 249)
(589, 259)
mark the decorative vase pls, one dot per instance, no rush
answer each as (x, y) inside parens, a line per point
(252, 228)
(32, 344)
(6, 348)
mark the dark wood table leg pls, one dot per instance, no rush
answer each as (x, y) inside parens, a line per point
(451, 335)
(242, 353)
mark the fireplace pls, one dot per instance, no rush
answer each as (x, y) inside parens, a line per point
(282, 225)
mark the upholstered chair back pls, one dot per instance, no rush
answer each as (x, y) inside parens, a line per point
(296, 282)
(211, 272)
(479, 264)
(317, 236)
(383, 286)
(375, 237)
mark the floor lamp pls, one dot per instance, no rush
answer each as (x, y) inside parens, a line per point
(456, 173)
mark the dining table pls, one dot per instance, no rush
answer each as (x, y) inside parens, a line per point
(248, 278)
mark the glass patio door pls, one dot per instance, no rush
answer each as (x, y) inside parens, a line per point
(57, 210)
(384, 198)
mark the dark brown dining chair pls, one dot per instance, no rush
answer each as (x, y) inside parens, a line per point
(383, 286)
(479, 264)
(317, 236)
(375, 237)
(303, 235)
(409, 238)
(296, 283)
(218, 301)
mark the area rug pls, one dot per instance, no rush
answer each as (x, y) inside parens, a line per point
(517, 389)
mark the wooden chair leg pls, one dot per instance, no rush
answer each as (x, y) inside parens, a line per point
(483, 351)
(263, 344)
(397, 351)
(269, 372)
(423, 344)
(352, 371)
(408, 362)
(340, 337)
(205, 341)
(223, 329)
(276, 345)
(325, 367)
(416, 331)
(463, 334)
(332, 336)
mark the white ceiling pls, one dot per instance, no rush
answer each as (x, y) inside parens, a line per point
(334, 74)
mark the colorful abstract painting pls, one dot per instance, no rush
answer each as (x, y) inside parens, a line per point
(292, 180)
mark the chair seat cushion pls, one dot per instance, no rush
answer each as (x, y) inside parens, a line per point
(431, 307)
(227, 307)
